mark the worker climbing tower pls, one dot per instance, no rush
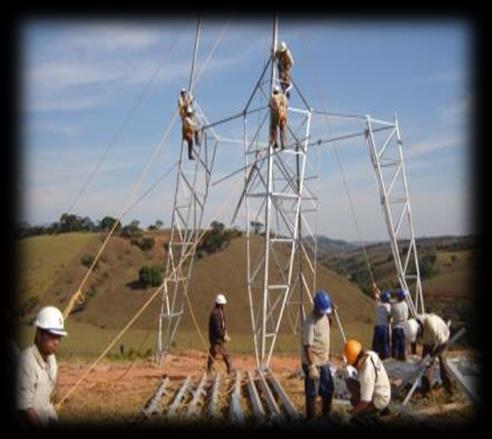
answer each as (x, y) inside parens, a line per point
(281, 263)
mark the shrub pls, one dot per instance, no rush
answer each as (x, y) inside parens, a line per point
(149, 277)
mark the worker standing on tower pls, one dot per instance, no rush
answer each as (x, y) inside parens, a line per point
(190, 131)
(185, 101)
(278, 117)
(285, 61)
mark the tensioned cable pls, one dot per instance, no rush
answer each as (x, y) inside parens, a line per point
(189, 253)
(78, 295)
(122, 126)
(342, 173)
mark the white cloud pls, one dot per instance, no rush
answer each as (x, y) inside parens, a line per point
(459, 110)
(431, 145)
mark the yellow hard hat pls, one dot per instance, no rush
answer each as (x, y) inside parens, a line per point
(351, 351)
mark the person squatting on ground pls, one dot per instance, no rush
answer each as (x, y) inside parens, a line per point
(278, 117)
(434, 334)
(217, 334)
(399, 315)
(37, 373)
(381, 336)
(285, 61)
(315, 351)
(371, 391)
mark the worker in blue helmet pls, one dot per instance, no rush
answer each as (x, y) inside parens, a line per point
(399, 315)
(381, 335)
(315, 351)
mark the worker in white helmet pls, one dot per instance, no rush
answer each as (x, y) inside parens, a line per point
(190, 131)
(278, 117)
(38, 369)
(217, 334)
(285, 61)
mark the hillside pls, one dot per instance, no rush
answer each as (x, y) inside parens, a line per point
(114, 295)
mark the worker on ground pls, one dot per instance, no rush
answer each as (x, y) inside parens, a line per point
(371, 391)
(315, 351)
(38, 369)
(434, 334)
(217, 334)
(399, 315)
(185, 101)
(285, 61)
(190, 130)
(278, 117)
(381, 336)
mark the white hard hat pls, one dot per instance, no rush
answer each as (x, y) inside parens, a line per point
(50, 319)
(410, 329)
(283, 46)
(189, 110)
(220, 299)
(183, 90)
(276, 88)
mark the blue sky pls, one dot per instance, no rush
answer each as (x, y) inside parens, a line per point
(81, 80)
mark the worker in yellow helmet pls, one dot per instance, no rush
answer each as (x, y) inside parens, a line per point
(371, 392)
(285, 61)
(278, 118)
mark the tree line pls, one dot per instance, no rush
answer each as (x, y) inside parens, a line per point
(74, 223)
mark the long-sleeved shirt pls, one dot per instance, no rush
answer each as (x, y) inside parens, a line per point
(216, 326)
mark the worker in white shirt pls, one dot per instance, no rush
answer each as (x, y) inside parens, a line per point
(399, 315)
(38, 370)
(371, 391)
(381, 336)
(434, 333)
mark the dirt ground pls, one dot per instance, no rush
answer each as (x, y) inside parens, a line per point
(116, 391)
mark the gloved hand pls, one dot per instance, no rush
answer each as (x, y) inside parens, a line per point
(227, 338)
(313, 372)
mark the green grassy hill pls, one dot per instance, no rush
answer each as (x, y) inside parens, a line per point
(113, 294)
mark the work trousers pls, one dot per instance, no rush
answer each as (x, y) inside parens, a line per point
(381, 341)
(398, 344)
(221, 349)
(323, 386)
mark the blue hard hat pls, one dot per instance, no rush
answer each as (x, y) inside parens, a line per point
(322, 302)
(385, 296)
(401, 294)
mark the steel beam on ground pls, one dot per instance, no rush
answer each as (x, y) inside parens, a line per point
(213, 408)
(152, 407)
(192, 409)
(258, 409)
(289, 406)
(235, 411)
(275, 414)
(177, 400)
(465, 383)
